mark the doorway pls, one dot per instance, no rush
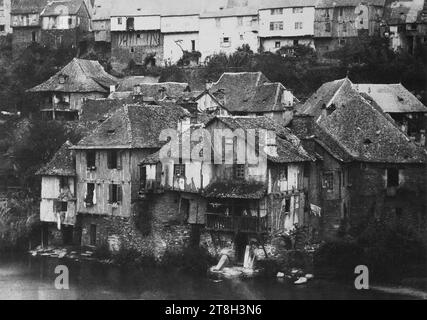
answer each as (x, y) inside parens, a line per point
(240, 243)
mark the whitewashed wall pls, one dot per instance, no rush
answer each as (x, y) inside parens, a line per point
(172, 52)
(140, 23)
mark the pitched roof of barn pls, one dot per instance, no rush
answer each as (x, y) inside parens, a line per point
(28, 6)
(62, 7)
(62, 163)
(360, 129)
(392, 98)
(79, 76)
(134, 127)
(247, 92)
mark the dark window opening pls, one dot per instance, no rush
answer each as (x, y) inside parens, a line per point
(277, 44)
(179, 170)
(143, 176)
(284, 174)
(115, 195)
(130, 23)
(287, 205)
(33, 36)
(70, 21)
(90, 194)
(239, 171)
(193, 45)
(328, 181)
(392, 177)
(2, 28)
(112, 159)
(63, 182)
(92, 235)
(64, 206)
(119, 21)
(296, 42)
(91, 159)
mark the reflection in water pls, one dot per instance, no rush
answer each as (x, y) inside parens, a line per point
(33, 278)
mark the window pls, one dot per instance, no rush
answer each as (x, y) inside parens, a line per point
(392, 177)
(225, 42)
(119, 20)
(130, 24)
(277, 44)
(33, 36)
(241, 37)
(239, 171)
(115, 193)
(143, 176)
(344, 27)
(2, 28)
(298, 25)
(240, 21)
(113, 159)
(179, 170)
(341, 11)
(328, 181)
(92, 235)
(283, 175)
(90, 192)
(297, 10)
(278, 25)
(193, 45)
(296, 42)
(90, 160)
(63, 182)
(328, 27)
(64, 206)
(276, 11)
(341, 42)
(218, 22)
(70, 21)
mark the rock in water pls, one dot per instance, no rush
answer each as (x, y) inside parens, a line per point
(301, 280)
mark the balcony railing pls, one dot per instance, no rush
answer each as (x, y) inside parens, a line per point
(150, 186)
(243, 224)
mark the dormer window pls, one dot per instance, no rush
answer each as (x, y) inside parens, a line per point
(61, 79)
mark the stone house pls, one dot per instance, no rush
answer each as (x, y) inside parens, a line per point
(248, 94)
(286, 23)
(406, 24)
(26, 24)
(367, 167)
(101, 20)
(226, 27)
(228, 203)
(65, 23)
(5, 27)
(64, 93)
(58, 198)
(338, 22)
(135, 33)
(108, 178)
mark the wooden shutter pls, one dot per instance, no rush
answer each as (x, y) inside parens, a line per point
(119, 193)
(119, 160)
(110, 193)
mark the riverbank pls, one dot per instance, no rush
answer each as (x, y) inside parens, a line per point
(26, 277)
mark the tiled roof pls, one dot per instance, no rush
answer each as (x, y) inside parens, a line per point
(270, 4)
(359, 128)
(99, 110)
(392, 98)
(247, 92)
(62, 163)
(28, 6)
(134, 127)
(79, 76)
(128, 83)
(62, 7)
(159, 91)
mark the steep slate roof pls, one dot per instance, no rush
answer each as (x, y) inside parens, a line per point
(28, 6)
(62, 7)
(100, 110)
(270, 4)
(128, 83)
(247, 92)
(62, 163)
(392, 98)
(181, 8)
(360, 129)
(102, 10)
(133, 127)
(80, 76)
(348, 3)
(289, 147)
(235, 190)
(136, 8)
(161, 89)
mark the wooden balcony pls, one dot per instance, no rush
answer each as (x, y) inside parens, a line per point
(243, 224)
(150, 186)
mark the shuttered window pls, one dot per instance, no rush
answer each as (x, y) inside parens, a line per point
(114, 159)
(115, 193)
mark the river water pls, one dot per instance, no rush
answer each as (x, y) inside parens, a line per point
(31, 278)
